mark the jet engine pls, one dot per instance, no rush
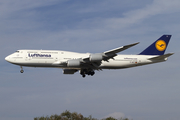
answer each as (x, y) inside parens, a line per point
(73, 63)
(96, 57)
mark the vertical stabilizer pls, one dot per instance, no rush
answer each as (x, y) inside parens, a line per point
(158, 47)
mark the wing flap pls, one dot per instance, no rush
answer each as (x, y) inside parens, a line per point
(69, 71)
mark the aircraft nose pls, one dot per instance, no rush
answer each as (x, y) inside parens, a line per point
(7, 58)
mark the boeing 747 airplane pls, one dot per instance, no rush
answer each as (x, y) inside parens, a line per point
(87, 63)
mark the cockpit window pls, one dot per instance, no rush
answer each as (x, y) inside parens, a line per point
(17, 51)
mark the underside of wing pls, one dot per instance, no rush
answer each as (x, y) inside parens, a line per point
(69, 71)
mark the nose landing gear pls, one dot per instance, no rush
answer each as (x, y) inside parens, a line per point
(21, 69)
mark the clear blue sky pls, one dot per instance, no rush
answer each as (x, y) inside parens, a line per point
(144, 93)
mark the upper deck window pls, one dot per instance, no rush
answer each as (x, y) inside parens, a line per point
(17, 51)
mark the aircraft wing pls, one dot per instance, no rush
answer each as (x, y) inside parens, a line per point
(116, 50)
(98, 57)
(111, 53)
(94, 60)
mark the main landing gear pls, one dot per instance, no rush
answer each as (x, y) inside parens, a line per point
(85, 72)
(21, 69)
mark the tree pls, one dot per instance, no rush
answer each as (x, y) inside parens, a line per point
(67, 115)
(110, 118)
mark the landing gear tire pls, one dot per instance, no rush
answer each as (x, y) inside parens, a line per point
(83, 76)
(21, 71)
(85, 72)
(92, 73)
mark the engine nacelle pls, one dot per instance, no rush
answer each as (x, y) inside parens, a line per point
(96, 57)
(69, 71)
(73, 63)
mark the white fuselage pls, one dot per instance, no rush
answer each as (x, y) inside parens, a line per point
(52, 58)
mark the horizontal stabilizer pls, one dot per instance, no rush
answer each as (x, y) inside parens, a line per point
(161, 57)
